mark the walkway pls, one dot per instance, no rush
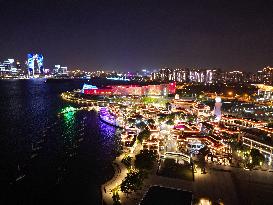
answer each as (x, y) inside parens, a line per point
(120, 174)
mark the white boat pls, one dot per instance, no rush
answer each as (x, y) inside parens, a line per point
(20, 176)
(35, 148)
(33, 155)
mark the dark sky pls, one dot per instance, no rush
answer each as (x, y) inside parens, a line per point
(135, 34)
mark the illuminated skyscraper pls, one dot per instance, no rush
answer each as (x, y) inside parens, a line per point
(32, 69)
(266, 75)
(8, 68)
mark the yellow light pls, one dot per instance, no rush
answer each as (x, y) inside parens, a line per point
(204, 202)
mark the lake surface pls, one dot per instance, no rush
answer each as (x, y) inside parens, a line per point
(64, 159)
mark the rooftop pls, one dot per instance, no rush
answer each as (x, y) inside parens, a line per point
(259, 135)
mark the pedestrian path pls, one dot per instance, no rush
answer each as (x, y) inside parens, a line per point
(120, 174)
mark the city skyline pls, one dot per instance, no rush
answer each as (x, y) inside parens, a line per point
(134, 35)
(136, 102)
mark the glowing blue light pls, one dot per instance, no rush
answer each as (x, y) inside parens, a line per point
(87, 86)
(40, 61)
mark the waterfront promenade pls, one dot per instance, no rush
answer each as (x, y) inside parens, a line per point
(232, 185)
(120, 174)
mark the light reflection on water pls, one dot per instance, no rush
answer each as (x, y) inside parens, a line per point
(69, 127)
(106, 130)
(67, 169)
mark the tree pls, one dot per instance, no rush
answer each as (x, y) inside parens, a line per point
(171, 116)
(181, 115)
(238, 145)
(256, 156)
(170, 164)
(132, 182)
(204, 151)
(151, 121)
(145, 134)
(131, 120)
(145, 159)
(162, 118)
(127, 161)
(170, 122)
(116, 198)
(141, 125)
(270, 125)
(149, 100)
(138, 117)
(191, 118)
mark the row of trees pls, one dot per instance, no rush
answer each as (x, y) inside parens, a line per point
(251, 157)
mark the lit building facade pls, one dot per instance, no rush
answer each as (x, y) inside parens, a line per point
(32, 69)
(265, 92)
(60, 70)
(266, 75)
(259, 138)
(149, 90)
(217, 109)
(185, 75)
(8, 68)
(201, 109)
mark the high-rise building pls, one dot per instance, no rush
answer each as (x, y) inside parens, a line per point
(8, 68)
(35, 64)
(60, 70)
(235, 76)
(266, 75)
(186, 75)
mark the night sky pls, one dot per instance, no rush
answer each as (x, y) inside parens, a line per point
(130, 35)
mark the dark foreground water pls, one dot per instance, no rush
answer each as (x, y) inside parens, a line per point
(64, 159)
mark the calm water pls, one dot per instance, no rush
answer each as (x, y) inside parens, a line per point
(64, 159)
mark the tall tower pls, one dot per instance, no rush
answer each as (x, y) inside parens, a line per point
(217, 108)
